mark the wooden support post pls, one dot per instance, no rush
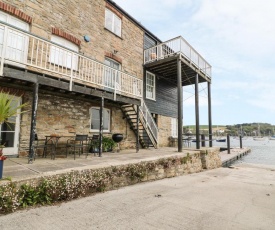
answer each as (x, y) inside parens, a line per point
(228, 144)
(241, 142)
(101, 126)
(180, 106)
(202, 140)
(33, 123)
(197, 111)
(210, 115)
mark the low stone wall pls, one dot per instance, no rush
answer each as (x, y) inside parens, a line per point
(210, 158)
(71, 184)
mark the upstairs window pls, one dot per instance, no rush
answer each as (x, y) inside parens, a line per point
(61, 56)
(16, 42)
(150, 86)
(111, 76)
(112, 22)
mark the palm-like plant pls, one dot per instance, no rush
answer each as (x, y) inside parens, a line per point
(6, 108)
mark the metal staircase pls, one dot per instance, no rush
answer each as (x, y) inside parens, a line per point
(148, 131)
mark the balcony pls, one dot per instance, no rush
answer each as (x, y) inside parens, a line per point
(162, 60)
(23, 50)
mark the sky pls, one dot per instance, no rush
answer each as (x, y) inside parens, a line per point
(237, 38)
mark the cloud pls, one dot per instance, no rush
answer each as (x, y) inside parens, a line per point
(236, 37)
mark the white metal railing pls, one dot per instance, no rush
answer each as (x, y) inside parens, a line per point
(178, 45)
(149, 122)
(29, 51)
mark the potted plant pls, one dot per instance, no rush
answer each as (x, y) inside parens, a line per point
(107, 145)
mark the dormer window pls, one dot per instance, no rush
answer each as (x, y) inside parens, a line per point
(112, 22)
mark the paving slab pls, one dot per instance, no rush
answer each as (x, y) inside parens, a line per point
(240, 197)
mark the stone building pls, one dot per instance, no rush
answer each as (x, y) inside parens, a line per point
(88, 60)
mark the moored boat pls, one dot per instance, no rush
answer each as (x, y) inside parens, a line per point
(258, 138)
(221, 139)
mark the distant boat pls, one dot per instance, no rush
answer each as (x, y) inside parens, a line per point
(258, 138)
(221, 139)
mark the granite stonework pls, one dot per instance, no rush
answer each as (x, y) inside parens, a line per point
(210, 157)
(85, 17)
(67, 117)
(164, 126)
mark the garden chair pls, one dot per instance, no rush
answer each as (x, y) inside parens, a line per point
(77, 144)
(44, 145)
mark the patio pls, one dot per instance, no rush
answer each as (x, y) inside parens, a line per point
(19, 169)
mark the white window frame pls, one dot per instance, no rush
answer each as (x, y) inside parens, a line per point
(111, 75)
(104, 122)
(16, 43)
(152, 86)
(113, 22)
(16, 119)
(64, 57)
(174, 127)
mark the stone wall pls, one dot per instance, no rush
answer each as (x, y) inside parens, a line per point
(85, 17)
(210, 158)
(62, 116)
(164, 126)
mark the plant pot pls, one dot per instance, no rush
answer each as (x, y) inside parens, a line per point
(93, 149)
(117, 137)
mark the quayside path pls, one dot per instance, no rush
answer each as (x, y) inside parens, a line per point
(239, 197)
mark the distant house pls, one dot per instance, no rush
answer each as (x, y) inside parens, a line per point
(70, 60)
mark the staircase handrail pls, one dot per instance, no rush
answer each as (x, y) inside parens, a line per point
(149, 120)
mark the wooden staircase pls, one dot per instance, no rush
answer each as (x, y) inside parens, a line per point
(147, 127)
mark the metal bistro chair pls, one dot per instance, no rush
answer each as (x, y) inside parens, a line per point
(43, 144)
(77, 144)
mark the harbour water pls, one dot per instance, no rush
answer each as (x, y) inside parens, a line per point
(262, 152)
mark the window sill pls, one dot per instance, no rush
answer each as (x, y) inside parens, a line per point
(97, 131)
(113, 33)
(151, 99)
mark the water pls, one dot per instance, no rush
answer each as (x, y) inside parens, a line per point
(262, 152)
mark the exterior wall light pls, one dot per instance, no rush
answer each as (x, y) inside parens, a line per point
(87, 38)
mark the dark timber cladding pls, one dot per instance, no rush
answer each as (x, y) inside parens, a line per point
(166, 98)
(167, 68)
